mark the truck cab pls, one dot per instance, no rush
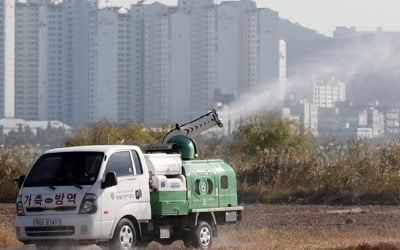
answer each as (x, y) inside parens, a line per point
(82, 193)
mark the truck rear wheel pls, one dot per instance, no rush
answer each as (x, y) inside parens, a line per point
(125, 237)
(201, 236)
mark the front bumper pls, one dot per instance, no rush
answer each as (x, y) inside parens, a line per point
(77, 227)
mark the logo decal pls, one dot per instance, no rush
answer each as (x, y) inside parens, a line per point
(203, 187)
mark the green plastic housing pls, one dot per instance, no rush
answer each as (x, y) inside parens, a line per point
(168, 203)
(209, 183)
(186, 146)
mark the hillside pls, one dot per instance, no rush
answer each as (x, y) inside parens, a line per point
(295, 31)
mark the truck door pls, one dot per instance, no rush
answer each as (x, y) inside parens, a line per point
(204, 190)
(128, 196)
(143, 192)
(224, 191)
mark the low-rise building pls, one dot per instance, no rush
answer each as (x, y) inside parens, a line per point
(327, 93)
(302, 111)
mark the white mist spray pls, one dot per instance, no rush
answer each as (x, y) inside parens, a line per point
(345, 61)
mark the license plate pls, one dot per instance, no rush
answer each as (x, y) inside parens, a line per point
(46, 222)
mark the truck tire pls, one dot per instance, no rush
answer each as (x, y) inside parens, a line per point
(125, 237)
(201, 236)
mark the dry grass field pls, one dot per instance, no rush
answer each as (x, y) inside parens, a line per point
(285, 227)
(7, 236)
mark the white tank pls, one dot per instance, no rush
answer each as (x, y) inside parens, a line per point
(164, 164)
(162, 184)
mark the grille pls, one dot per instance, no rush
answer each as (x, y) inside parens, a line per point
(50, 231)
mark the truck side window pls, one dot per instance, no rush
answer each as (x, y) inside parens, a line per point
(136, 161)
(120, 163)
(224, 181)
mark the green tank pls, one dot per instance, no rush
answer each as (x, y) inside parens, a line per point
(209, 184)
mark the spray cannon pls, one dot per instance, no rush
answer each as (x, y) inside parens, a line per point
(196, 126)
(179, 139)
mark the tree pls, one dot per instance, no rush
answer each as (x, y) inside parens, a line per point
(269, 131)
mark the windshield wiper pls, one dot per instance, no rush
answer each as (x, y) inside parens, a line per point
(71, 183)
(77, 185)
(48, 183)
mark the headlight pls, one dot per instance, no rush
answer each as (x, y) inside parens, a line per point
(89, 204)
(19, 206)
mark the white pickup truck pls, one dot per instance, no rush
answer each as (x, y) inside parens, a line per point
(62, 198)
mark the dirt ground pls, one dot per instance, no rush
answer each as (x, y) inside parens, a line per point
(265, 226)
(310, 216)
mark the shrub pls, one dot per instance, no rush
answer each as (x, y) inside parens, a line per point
(14, 162)
(276, 161)
(269, 131)
(104, 132)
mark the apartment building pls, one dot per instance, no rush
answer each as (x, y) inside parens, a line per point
(180, 109)
(109, 73)
(150, 60)
(325, 94)
(268, 54)
(230, 45)
(80, 61)
(81, 18)
(162, 63)
(51, 76)
(40, 72)
(30, 96)
(261, 50)
(7, 16)
(203, 53)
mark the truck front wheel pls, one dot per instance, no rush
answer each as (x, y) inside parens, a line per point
(201, 236)
(124, 236)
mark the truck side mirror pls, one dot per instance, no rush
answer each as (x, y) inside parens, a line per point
(110, 180)
(20, 180)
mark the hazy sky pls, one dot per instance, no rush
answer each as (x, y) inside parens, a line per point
(324, 15)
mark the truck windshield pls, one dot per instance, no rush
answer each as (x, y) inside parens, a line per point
(64, 169)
